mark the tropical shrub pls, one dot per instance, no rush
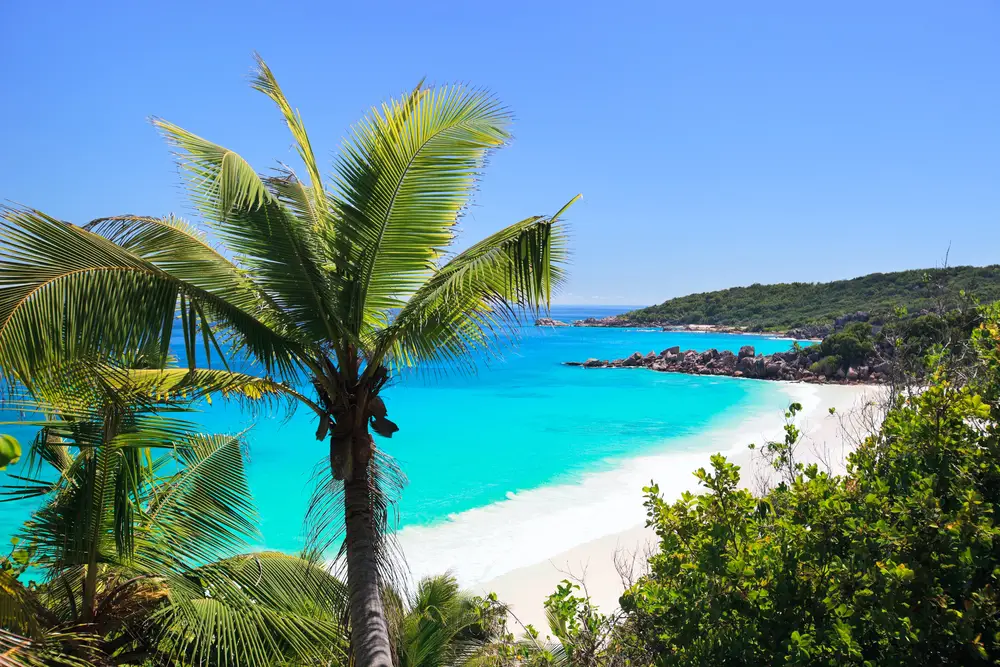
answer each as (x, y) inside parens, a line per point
(826, 366)
(895, 563)
(852, 345)
(578, 634)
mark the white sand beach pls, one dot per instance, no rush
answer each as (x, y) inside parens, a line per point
(522, 547)
(827, 439)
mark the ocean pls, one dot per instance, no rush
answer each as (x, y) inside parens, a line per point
(519, 424)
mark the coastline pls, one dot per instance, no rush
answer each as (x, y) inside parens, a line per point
(810, 333)
(621, 321)
(517, 547)
(525, 589)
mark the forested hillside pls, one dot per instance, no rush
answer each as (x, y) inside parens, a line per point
(788, 305)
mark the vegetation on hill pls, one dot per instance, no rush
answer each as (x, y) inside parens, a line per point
(789, 305)
(897, 349)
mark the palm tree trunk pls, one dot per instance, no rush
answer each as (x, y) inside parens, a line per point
(90, 587)
(369, 632)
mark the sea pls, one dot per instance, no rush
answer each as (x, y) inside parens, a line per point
(512, 427)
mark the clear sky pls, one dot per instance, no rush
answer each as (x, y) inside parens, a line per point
(715, 143)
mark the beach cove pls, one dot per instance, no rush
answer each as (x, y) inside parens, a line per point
(611, 502)
(523, 458)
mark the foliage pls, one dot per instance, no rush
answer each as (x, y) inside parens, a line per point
(137, 506)
(910, 339)
(781, 453)
(585, 636)
(853, 345)
(578, 634)
(826, 366)
(442, 625)
(897, 562)
(10, 451)
(789, 305)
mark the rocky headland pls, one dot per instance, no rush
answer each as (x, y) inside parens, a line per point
(790, 366)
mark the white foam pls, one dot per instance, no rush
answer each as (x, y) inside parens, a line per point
(533, 525)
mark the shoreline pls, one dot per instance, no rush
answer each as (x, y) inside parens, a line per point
(621, 322)
(511, 545)
(808, 332)
(597, 561)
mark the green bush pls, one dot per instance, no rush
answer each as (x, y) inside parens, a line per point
(826, 366)
(853, 345)
(895, 563)
(913, 336)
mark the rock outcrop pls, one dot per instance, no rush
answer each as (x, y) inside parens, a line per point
(788, 366)
(810, 332)
(610, 321)
(549, 322)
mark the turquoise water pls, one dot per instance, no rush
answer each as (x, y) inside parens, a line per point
(519, 423)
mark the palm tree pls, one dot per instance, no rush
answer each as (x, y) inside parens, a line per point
(129, 540)
(341, 282)
(440, 624)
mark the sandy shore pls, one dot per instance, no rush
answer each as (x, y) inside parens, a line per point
(827, 440)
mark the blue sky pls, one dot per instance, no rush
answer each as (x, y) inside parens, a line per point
(715, 143)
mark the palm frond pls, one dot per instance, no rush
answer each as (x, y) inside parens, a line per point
(265, 82)
(440, 624)
(107, 479)
(203, 510)
(183, 251)
(276, 247)
(47, 650)
(182, 384)
(95, 502)
(18, 609)
(402, 181)
(474, 300)
(258, 610)
(68, 294)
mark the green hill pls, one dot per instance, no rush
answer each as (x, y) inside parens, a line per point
(789, 305)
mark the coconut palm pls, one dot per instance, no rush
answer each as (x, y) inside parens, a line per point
(342, 283)
(138, 508)
(440, 624)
